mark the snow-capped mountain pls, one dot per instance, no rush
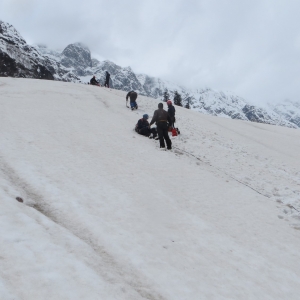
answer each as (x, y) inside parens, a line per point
(230, 105)
(288, 110)
(75, 63)
(18, 59)
(78, 57)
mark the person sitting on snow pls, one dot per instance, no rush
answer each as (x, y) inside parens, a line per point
(93, 81)
(171, 112)
(142, 127)
(132, 96)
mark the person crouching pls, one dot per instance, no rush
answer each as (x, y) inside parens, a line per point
(142, 127)
(132, 95)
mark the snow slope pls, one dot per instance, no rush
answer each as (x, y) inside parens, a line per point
(107, 215)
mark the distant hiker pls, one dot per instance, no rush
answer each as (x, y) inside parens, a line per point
(132, 96)
(162, 118)
(142, 127)
(93, 81)
(107, 77)
(171, 112)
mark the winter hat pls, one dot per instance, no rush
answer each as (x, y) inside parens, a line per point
(160, 105)
(169, 102)
(145, 116)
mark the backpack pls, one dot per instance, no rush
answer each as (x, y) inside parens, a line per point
(174, 132)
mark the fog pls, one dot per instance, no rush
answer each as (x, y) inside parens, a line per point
(248, 47)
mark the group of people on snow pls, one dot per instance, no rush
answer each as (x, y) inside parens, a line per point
(163, 120)
(93, 81)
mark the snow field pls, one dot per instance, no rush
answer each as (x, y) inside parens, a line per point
(107, 215)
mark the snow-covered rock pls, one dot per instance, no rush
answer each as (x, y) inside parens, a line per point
(78, 57)
(53, 54)
(230, 105)
(288, 110)
(18, 59)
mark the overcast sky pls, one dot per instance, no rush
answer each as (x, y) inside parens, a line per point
(249, 47)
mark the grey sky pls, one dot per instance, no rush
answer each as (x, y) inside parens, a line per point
(249, 47)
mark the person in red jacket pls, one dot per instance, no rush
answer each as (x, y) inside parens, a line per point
(162, 120)
(171, 112)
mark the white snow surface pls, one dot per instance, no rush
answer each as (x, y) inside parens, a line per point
(107, 215)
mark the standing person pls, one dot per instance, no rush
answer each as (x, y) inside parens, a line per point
(106, 84)
(133, 96)
(161, 117)
(171, 112)
(142, 127)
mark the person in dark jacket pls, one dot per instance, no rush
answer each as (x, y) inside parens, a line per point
(106, 84)
(171, 112)
(93, 81)
(132, 95)
(162, 119)
(142, 127)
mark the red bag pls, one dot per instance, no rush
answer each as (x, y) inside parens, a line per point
(174, 132)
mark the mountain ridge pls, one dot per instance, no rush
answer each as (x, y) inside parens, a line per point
(76, 64)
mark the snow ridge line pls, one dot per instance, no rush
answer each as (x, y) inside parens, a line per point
(209, 164)
(294, 208)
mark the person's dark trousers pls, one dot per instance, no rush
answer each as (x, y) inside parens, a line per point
(172, 122)
(162, 130)
(106, 84)
(154, 132)
(147, 131)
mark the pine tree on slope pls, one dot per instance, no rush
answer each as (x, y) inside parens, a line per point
(166, 95)
(177, 99)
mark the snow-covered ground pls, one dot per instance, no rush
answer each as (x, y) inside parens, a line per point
(107, 215)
